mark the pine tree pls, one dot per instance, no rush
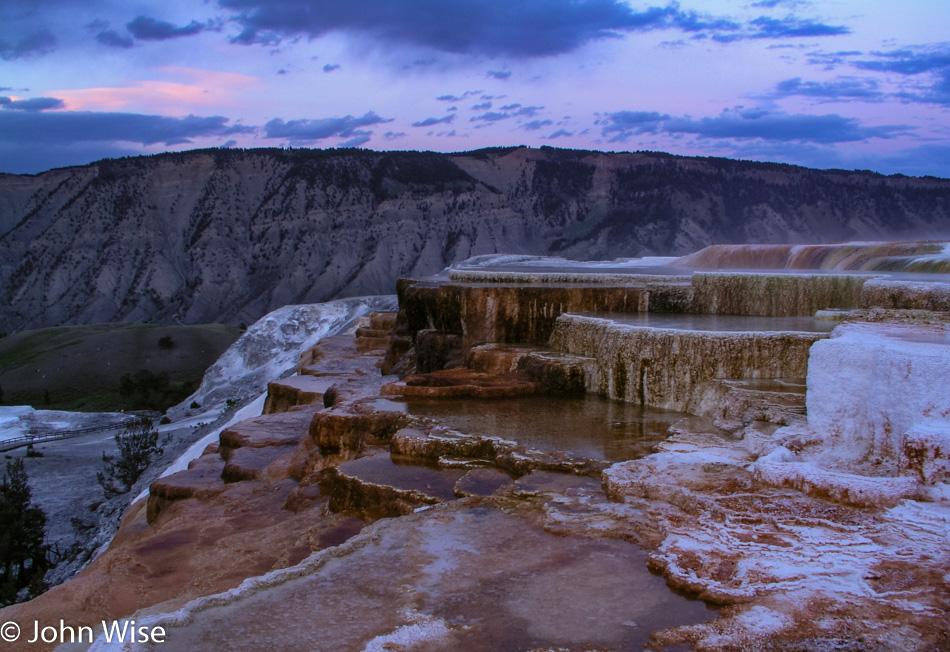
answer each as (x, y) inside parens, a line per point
(137, 446)
(24, 557)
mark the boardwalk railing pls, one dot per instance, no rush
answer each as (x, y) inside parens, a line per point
(56, 435)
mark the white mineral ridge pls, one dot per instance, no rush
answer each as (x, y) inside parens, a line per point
(422, 629)
(841, 487)
(13, 421)
(870, 383)
(18, 420)
(489, 261)
(271, 347)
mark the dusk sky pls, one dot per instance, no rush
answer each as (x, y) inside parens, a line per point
(854, 84)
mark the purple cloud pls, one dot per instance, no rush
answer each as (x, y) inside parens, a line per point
(457, 98)
(624, 124)
(145, 28)
(527, 28)
(534, 125)
(113, 39)
(748, 124)
(35, 43)
(844, 89)
(33, 104)
(429, 122)
(933, 62)
(491, 116)
(783, 127)
(794, 27)
(65, 127)
(304, 131)
(764, 27)
(359, 138)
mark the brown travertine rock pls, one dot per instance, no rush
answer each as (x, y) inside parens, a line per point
(372, 333)
(383, 320)
(284, 394)
(774, 294)
(905, 295)
(443, 446)
(195, 547)
(430, 446)
(498, 313)
(481, 482)
(911, 256)
(258, 463)
(436, 350)
(337, 355)
(453, 383)
(662, 368)
(556, 372)
(399, 346)
(305, 494)
(280, 429)
(334, 432)
(927, 452)
(375, 331)
(202, 479)
(496, 358)
(378, 486)
(305, 460)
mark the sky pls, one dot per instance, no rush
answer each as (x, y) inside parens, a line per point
(850, 84)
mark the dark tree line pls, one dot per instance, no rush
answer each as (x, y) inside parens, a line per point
(146, 390)
(24, 555)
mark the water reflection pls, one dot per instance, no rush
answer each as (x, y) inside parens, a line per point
(587, 426)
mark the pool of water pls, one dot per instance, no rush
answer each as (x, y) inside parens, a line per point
(716, 323)
(586, 426)
(385, 470)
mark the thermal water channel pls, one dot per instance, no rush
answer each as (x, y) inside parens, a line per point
(586, 426)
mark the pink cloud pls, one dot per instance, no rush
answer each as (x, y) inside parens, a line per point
(205, 89)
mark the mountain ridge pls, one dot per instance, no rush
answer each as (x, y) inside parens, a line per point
(228, 235)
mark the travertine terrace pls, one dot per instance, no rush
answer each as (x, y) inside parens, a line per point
(783, 476)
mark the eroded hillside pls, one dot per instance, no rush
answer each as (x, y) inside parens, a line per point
(228, 235)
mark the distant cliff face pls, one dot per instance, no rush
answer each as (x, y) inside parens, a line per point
(228, 235)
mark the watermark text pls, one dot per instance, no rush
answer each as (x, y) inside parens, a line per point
(114, 631)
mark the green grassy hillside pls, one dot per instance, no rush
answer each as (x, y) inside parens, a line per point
(82, 367)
